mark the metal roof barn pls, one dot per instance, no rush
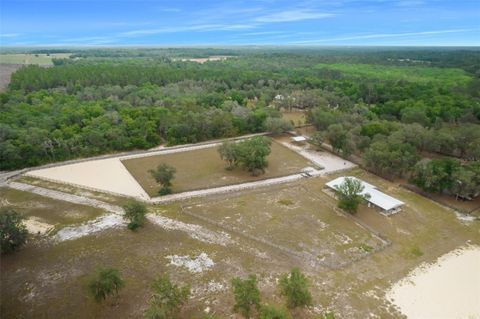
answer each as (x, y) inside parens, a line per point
(387, 203)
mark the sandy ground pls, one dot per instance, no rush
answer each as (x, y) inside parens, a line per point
(450, 288)
(328, 161)
(108, 175)
(194, 265)
(91, 227)
(36, 226)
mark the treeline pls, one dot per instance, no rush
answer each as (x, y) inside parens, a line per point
(395, 149)
(99, 104)
(46, 126)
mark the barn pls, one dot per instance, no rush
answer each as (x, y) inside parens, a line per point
(385, 203)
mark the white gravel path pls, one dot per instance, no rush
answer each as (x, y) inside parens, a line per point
(65, 197)
(115, 219)
(226, 189)
(330, 162)
(195, 231)
(91, 227)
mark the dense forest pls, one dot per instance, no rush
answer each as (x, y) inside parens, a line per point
(394, 108)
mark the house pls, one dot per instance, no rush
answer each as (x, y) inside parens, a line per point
(385, 203)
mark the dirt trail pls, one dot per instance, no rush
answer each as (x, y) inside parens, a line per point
(65, 197)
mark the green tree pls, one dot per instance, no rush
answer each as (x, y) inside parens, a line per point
(13, 232)
(276, 125)
(349, 195)
(229, 153)
(390, 158)
(135, 213)
(167, 299)
(164, 174)
(294, 286)
(340, 139)
(252, 154)
(247, 295)
(435, 175)
(106, 282)
(317, 140)
(270, 312)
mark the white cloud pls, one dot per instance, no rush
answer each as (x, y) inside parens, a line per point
(293, 15)
(9, 35)
(385, 35)
(199, 27)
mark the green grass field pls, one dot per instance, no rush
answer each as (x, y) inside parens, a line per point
(40, 59)
(448, 76)
(203, 168)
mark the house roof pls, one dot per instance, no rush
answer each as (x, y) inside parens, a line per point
(377, 197)
(299, 138)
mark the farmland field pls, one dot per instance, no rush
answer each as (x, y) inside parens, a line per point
(408, 73)
(204, 168)
(41, 59)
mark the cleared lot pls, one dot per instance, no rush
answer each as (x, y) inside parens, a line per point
(203, 168)
(27, 58)
(51, 280)
(295, 219)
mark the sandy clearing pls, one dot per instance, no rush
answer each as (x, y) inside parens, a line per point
(194, 265)
(330, 163)
(91, 227)
(107, 175)
(449, 288)
(36, 226)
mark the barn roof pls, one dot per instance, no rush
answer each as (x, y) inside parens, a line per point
(377, 197)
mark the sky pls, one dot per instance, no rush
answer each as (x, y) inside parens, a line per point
(228, 23)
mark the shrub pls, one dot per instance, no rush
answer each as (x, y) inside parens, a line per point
(13, 233)
(167, 299)
(294, 286)
(270, 312)
(135, 213)
(247, 295)
(106, 282)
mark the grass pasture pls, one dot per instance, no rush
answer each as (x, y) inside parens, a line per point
(447, 76)
(204, 168)
(28, 58)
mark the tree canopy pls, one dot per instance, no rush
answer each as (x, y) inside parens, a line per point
(13, 233)
(350, 195)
